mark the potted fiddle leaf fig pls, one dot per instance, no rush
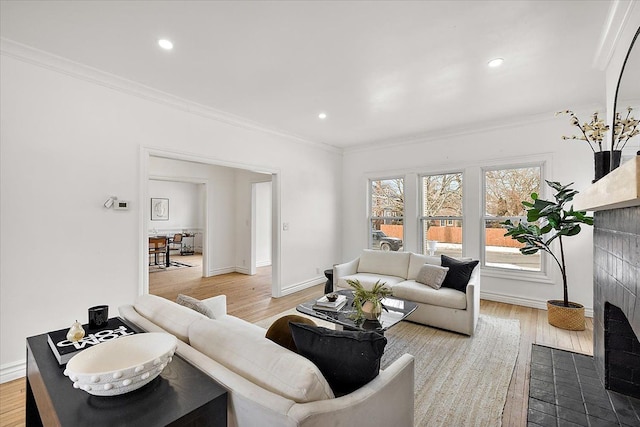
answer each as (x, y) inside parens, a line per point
(368, 303)
(548, 221)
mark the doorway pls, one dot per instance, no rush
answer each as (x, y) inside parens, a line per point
(261, 225)
(227, 196)
(181, 225)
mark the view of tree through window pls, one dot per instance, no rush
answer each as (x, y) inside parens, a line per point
(387, 214)
(505, 189)
(441, 219)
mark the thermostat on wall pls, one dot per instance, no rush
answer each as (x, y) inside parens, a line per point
(121, 205)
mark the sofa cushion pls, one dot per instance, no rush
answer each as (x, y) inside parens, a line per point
(443, 297)
(416, 261)
(386, 263)
(348, 359)
(260, 360)
(432, 275)
(368, 280)
(195, 304)
(459, 273)
(170, 316)
(280, 333)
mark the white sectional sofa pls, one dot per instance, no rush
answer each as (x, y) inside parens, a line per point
(444, 308)
(269, 385)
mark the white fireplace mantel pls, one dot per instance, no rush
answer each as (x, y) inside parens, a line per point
(619, 189)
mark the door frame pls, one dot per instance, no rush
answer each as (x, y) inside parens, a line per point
(254, 225)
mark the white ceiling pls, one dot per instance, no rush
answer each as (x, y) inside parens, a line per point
(382, 71)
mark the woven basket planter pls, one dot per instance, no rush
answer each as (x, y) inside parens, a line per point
(570, 318)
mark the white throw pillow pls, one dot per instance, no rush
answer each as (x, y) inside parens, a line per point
(195, 304)
(432, 275)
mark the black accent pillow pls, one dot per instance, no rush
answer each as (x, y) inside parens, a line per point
(347, 359)
(459, 272)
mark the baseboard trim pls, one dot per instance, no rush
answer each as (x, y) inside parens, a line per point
(223, 270)
(525, 302)
(302, 285)
(12, 371)
(265, 263)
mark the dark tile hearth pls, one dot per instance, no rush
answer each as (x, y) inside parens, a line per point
(565, 390)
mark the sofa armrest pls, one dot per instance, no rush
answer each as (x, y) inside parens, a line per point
(392, 388)
(217, 304)
(345, 269)
(473, 298)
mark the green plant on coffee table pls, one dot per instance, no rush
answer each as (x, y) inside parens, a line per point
(555, 222)
(362, 296)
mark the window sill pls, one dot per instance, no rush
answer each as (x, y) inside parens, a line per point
(526, 276)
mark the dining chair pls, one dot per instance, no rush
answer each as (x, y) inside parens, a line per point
(157, 246)
(175, 240)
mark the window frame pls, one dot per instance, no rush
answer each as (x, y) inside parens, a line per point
(495, 271)
(444, 220)
(371, 218)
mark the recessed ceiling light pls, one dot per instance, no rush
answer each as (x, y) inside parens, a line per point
(322, 116)
(495, 62)
(165, 44)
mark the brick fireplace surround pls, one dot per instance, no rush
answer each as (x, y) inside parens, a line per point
(616, 311)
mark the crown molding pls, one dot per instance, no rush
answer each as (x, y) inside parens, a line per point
(472, 129)
(618, 16)
(89, 74)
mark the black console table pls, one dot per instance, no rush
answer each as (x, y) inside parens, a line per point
(181, 395)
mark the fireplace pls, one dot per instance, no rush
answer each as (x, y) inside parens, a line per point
(616, 299)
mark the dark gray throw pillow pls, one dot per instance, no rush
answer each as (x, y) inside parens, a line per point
(459, 272)
(347, 359)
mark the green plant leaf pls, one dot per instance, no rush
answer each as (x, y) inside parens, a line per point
(554, 221)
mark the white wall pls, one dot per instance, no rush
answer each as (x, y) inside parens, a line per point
(534, 139)
(69, 142)
(185, 207)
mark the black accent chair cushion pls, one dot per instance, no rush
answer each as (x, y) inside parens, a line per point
(347, 359)
(459, 272)
(280, 333)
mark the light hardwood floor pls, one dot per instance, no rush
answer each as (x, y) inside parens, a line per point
(249, 297)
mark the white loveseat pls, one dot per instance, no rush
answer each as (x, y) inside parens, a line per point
(444, 308)
(267, 384)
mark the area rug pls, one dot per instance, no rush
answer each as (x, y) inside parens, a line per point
(173, 265)
(459, 380)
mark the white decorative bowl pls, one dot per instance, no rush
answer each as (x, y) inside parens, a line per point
(122, 365)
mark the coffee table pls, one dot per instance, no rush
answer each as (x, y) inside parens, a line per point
(181, 395)
(398, 308)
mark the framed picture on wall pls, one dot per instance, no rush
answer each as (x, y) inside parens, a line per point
(159, 209)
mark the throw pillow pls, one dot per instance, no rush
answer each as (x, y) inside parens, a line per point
(195, 304)
(280, 333)
(432, 275)
(347, 359)
(459, 272)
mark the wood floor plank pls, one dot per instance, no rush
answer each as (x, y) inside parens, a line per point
(249, 297)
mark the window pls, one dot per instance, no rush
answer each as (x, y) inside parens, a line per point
(441, 216)
(504, 191)
(386, 217)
